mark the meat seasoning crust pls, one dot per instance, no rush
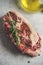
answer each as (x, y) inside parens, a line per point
(22, 34)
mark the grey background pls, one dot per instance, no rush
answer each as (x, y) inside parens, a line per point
(9, 54)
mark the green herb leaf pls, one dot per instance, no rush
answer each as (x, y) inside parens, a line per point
(14, 31)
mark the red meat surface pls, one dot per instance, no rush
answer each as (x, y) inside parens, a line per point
(27, 44)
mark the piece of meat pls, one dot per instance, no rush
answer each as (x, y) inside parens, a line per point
(30, 41)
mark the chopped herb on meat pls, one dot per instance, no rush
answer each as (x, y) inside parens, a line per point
(14, 32)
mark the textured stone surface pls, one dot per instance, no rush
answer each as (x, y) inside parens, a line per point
(9, 55)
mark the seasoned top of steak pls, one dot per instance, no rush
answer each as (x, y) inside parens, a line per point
(22, 34)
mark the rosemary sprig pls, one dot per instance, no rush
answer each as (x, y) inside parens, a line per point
(14, 32)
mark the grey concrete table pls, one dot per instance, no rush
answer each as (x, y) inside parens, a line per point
(9, 55)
